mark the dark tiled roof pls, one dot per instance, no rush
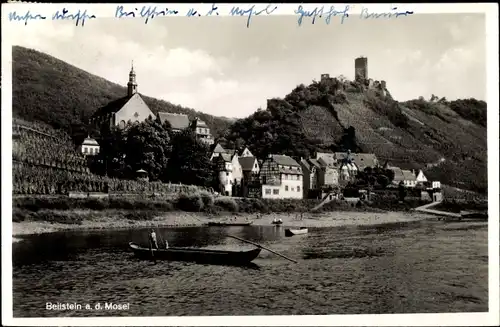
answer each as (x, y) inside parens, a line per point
(111, 107)
(398, 174)
(199, 123)
(247, 163)
(409, 176)
(217, 148)
(226, 156)
(305, 164)
(177, 121)
(284, 160)
(315, 162)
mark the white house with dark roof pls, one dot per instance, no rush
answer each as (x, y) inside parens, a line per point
(130, 108)
(89, 147)
(229, 172)
(311, 170)
(281, 177)
(178, 122)
(406, 176)
(202, 131)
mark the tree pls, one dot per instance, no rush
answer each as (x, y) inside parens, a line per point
(402, 191)
(147, 147)
(190, 161)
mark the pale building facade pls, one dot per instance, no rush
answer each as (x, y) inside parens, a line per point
(120, 112)
(281, 178)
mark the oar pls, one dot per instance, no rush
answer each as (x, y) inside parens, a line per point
(262, 247)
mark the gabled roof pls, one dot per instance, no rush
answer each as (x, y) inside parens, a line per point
(409, 176)
(284, 160)
(398, 174)
(327, 161)
(112, 107)
(315, 163)
(305, 164)
(247, 163)
(177, 121)
(362, 160)
(226, 157)
(90, 141)
(240, 153)
(197, 122)
(218, 148)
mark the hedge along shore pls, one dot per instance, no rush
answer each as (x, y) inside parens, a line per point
(32, 215)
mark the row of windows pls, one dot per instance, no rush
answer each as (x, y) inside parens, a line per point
(90, 150)
(292, 177)
(277, 191)
(203, 130)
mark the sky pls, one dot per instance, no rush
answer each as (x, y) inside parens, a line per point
(221, 67)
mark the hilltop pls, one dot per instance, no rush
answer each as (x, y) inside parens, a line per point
(447, 139)
(48, 90)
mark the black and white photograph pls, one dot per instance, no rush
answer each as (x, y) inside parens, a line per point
(222, 160)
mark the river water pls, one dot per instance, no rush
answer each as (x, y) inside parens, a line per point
(411, 267)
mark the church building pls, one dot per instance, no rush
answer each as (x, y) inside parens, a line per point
(129, 108)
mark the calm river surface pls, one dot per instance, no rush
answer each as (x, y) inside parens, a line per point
(411, 267)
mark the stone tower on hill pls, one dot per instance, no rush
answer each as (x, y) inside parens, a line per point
(361, 68)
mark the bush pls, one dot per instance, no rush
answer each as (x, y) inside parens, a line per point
(190, 202)
(140, 215)
(57, 217)
(208, 199)
(19, 215)
(226, 204)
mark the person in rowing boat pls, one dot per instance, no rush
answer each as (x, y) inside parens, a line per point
(152, 239)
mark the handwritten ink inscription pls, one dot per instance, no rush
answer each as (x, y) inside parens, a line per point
(150, 12)
(237, 11)
(146, 12)
(64, 14)
(365, 14)
(321, 12)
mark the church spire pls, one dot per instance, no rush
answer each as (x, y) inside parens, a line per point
(132, 83)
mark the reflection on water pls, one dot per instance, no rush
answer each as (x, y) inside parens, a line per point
(424, 266)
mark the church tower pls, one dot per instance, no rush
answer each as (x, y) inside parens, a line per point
(132, 83)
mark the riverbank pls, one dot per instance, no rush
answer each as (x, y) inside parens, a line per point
(95, 220)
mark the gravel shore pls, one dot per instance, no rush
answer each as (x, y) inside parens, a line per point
(179, 219)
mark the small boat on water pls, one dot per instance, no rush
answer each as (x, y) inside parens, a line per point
(474, 214)
(196, 255)
(277, 222)
(292, 232)
(223, 223)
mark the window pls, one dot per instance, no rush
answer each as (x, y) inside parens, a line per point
(276, 191)
(286, 187)
(84, 149)
(298, 188)
(268, 191)
(293, 189)
(297, 177)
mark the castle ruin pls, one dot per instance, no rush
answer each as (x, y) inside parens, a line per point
(361, 68)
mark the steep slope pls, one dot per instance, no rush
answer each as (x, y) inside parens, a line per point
(49, 90)
(339, 115)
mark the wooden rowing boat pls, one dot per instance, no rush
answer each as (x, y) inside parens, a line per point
(222, 223)
(196, 255)
(291, 232)
(474, 214)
